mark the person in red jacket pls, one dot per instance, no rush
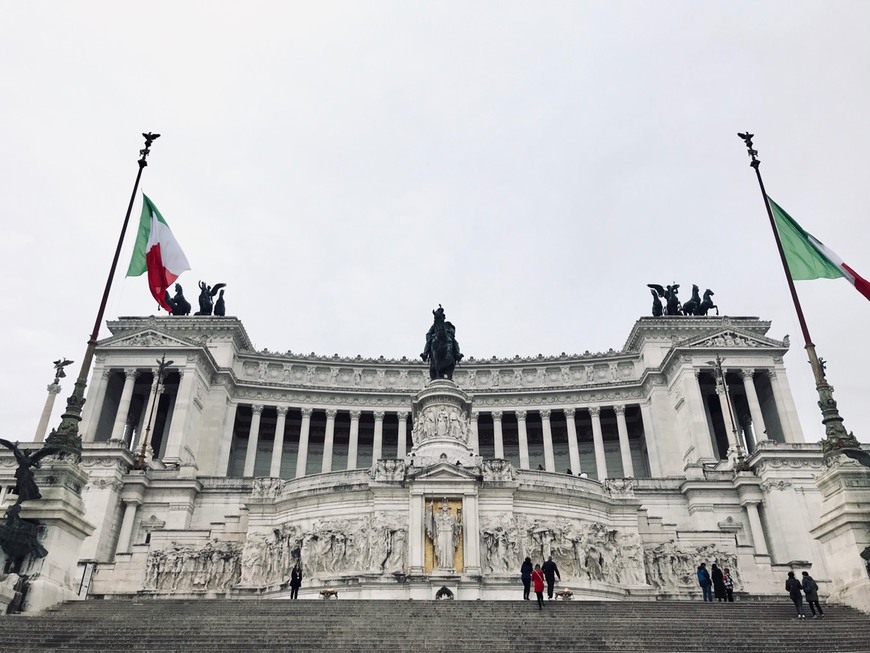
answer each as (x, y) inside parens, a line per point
(538, 583)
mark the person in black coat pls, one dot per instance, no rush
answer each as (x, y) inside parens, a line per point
(551, 571)
(718, 583)
(811, 589)
(526, 575)
(295, 581)
(793, 587)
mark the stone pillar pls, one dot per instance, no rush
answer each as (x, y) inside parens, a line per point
(175, 440)
(305, 429)
(789, 433)
(758, 427)
(598, 442)
(353, 444)
(226, 443)
(727, 412)
(652, 445)
(152, 397)
(94, 406)
(329, 441)
(549, 458)
(130, 508)
(378, 440)
(278, 445)
(402, 444)
(523, 436)
(415, 533)
(474, 439)
(253, 440)
(53, 391)
(471, 539)
(624, 446)
(120, 424)
(497, 436)
(573, 446)
(756, 527)
(699, 426)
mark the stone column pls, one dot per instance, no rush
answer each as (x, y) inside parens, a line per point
(253, 439)
(120, 424)
(130, 508)
(523, 436)
(402, 444)
(727, 412)
(415, 533)
(497, 436)
(278, 445)
(53, 391)
(471, 539)
(781, 409)
(649, 436)
(175, 440)
(598, 442)
(549, 458)
(305, 429)
(474, 439)
(756, 527)
(573, 446)
(624, 446)
(378, 440)
(353, 444)
(702, 438)
(226, 443)
(759, 430)
(94, 406)
(328, 441)
(152, 397)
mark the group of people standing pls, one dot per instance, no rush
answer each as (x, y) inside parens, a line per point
(536, 576)
(809, 586)
(716, 582)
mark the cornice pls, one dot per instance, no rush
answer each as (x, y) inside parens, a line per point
(679, 327)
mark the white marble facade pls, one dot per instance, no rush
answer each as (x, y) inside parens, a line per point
(371, 476)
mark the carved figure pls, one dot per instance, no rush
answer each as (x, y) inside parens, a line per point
(220, 308)
(25, 486)
(442, 349)
(707, 303)
(672, 302)
(691, 307)
(657, 310)
(206, 303)
(443, 529)
(178, 304)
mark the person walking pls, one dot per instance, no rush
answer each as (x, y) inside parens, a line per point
(718, 579)
(526, 575)
(551, 572)
(295, 581)
(705, 582)
(729, 584)
(793, 587)
(811, 589)
(538, 581)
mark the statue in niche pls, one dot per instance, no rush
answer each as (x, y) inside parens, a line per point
(178, 304)
(206, 295)
(443, 529)
(442, 349)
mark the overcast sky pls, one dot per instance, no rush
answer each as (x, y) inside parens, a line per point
(346, 167)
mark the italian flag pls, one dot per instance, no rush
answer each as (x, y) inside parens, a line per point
(157, 253)
(807, 256)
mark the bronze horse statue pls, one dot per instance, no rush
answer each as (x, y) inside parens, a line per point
(442, 350)
(707, 304)
(691, 307)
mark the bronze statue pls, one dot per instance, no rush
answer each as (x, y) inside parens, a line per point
(178, 304)
(220, 308)
(25, 486)
(672, 302)
(442, 349)
(707, 303)
(657, 309)
(205, 297)
(691, 307)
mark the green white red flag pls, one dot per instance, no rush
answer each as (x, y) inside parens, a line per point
(157, 253)
(808, 257)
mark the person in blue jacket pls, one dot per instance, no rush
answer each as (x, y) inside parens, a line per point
(705, 582)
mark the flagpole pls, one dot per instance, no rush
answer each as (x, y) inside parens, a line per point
(66, 437)
(836, 436)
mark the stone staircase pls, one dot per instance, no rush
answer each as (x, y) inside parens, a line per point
(455, 626)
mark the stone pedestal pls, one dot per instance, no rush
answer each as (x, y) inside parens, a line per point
(844, 530)
(442, 429)
(60, 512)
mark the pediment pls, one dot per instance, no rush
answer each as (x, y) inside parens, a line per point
(443, 472)
(147, 338)
(731, 339)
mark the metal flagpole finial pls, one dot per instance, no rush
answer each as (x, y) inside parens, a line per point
(753, 153)
(149, 138)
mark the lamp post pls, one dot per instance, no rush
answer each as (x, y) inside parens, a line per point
(721, 382)
(162, 364)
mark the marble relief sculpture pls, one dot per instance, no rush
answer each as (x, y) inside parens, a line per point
(215, 566)
(672, 567)
(443, 528)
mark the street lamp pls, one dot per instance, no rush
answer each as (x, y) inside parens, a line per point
(720, 382)
(162, 364)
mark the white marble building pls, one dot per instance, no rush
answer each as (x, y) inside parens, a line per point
(621, 465)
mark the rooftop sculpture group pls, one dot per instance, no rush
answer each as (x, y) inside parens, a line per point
(207, 305)
(672, 306)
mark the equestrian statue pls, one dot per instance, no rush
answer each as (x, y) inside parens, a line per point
(694, 307)
(442, 349)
